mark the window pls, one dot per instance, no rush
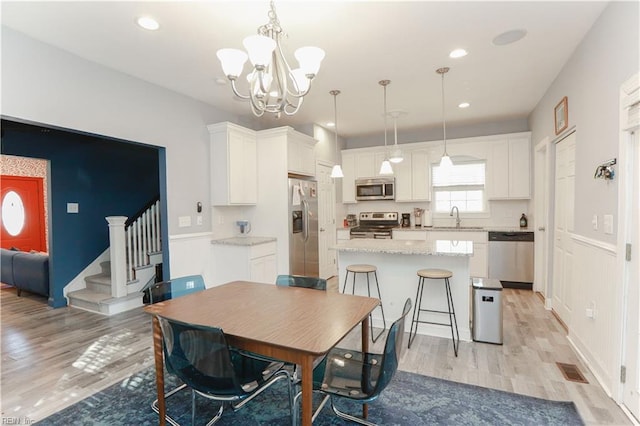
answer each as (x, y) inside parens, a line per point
(461, 186)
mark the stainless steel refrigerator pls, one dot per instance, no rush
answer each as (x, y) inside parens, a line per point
(303, 227)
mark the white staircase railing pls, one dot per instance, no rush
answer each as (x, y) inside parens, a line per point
(131, 244)
(143, 237)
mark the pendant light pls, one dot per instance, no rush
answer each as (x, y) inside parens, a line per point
(396, 153)
(445, 161)
(385, 167)
(336, 171)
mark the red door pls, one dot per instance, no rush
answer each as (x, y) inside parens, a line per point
(22, 219)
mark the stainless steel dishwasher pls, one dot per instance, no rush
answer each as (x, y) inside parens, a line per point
(511, 258)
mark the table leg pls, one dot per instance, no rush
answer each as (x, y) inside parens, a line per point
(307, 391)
(157, 352)
(365, 348)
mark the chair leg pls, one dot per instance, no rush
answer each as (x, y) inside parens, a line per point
(154, 404)
(344, 286)
(349, 417)
(384, 321)
(416, 312)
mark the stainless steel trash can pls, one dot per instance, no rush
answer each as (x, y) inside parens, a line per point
(487, 310)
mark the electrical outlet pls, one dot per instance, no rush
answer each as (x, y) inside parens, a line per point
(589, 313)
(594, 222)
(198, 220)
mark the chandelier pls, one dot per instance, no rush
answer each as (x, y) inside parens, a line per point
(273, 86)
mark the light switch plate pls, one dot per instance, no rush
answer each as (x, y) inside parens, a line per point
(184, 221)
(608, 224)
(73, 207)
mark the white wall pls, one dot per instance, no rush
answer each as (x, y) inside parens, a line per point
(591, 78)
(47, 85)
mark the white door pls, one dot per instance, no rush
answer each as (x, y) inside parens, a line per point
(541, 197)
(326, 220)
(562, 285)
(631, 347)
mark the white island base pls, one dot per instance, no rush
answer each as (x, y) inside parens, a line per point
(398, 263)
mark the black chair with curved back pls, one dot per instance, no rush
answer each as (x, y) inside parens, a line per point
(175, 287)
(359, 376)
(202, 359)
(302, 281)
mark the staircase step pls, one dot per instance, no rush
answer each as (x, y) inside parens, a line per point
(100, 283)
(103, 303)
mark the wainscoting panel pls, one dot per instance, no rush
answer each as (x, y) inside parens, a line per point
(595, 325)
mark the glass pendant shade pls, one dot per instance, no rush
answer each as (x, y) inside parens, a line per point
(385, 168)
(396, 156)
(336, 171)
(445, 161)
(260, 49)
(301, 80)
(232, 61)
(309, 58)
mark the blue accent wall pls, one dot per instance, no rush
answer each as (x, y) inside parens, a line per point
(104, 176)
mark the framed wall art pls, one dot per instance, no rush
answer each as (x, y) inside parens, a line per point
(561, 116)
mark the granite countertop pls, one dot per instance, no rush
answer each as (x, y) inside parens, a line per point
(433, 248)
(465, 229)
(243, 241)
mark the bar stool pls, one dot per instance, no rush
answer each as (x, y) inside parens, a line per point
(366, 269)
(435, 274)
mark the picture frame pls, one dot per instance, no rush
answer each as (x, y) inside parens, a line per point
(561, 115)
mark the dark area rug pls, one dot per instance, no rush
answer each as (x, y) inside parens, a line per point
(410, 399)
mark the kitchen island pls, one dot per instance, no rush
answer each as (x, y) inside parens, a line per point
(398, 262)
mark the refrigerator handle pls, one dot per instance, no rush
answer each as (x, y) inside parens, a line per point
(305, 220)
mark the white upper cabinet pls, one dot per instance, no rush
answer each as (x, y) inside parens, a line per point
(509, 168)
(413, 176)
(300, 155)
(233, 161)
(349, 179)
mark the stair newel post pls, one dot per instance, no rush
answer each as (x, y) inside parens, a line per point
(118, 253)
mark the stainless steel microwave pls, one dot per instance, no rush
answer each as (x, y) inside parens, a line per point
(382, 188)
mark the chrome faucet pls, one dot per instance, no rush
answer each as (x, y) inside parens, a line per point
(457, 215)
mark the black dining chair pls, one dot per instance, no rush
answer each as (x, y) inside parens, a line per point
(202, 359)
(359, 376)
(173, 288)
(301, 281)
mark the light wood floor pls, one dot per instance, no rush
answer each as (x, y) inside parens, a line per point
(52, 358)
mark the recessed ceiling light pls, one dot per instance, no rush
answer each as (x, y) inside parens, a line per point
(148, 23)
(458, 53)
(331, 124)
(464, 105)
(509, 37)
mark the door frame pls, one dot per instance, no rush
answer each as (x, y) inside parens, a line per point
(331, 221)
(541, 218)
(627, 155)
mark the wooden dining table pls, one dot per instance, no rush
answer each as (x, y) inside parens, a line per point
(296, 325)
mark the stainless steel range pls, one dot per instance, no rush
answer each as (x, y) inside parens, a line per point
(375, 225)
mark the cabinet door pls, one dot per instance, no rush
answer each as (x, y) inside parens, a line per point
(498, 175)
(519, 167)
(364, 162)
(420, 176)
(349, 179)
(300, 157)
(263, 269)
(404, 182)
(243, 188)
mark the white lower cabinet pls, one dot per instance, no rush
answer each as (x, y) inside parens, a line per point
(244, 262)
(343, 234)
(479, 261)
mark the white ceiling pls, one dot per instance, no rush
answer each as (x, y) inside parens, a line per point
(365, 41)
